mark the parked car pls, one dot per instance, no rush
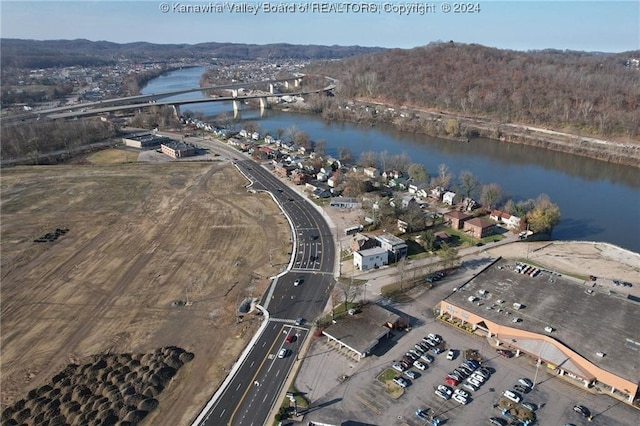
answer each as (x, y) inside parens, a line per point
(419, 365)
(470, 386)
(505, 353)
(398, 367)
(581, 409)
(444, 392)
(474, 382)
(461, 392)
(530, 406)
(422, 414)
(435, 337)
(525, 382)
(460, 399)
(415, 353)
(513, 396)
(297, 282)
(436, 350)
(472, 363)
(497, 421)
(451, 354)
(419, 348)
(412, 356)
(410, 374)
(522, 389)
(299, 321)
(290, 338)
(401, 382)
(451, 381)
(283, 353)
(427, 358)
(477, 377)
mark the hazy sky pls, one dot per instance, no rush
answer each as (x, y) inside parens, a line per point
(608, 26)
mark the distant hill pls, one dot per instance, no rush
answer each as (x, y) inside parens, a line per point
(50, 53)
(592, 93)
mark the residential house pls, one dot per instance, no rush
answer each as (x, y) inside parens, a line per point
(335, 179)
(371, 172)
(361, 242)
(449, 198)
(300, 178)
(479, 227)
(437, 193)
(283, 170)
(455, 219)
(509, 221)
(322, 193)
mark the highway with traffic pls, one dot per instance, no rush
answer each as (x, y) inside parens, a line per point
(296, 297)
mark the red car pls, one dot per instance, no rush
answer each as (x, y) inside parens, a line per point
(290, 338)
(451, 381)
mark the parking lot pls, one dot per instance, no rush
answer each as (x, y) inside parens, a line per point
(362, 398)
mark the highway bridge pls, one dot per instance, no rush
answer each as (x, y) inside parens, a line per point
(152, 99)
(101, 109)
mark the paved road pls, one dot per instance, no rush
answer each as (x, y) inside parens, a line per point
(250, 395)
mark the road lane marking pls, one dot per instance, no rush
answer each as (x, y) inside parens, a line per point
(253, 380)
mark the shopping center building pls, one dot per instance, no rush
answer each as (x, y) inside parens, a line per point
(583, 332)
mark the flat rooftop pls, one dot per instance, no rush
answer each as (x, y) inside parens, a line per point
(585, 318)
(363, 330)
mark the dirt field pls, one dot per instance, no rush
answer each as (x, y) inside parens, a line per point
(141, 237)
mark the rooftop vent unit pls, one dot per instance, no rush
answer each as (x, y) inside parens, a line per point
(548, 329)
(517, 306)
(600, 354)
(482, 292)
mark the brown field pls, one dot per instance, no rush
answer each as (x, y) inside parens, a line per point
(140, 236)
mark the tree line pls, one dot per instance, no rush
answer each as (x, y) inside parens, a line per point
(579, 92)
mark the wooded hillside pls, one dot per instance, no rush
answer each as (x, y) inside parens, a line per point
(587, 93)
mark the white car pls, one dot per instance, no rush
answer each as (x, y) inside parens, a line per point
(478, 378)
(461, 393)
(297, 282)
(427, 358)
(470, 386)
(460, 399)
(410, 374)
(398, 367)
(512, 396)
(283, 353)
(419, 365)
(400, 382)
(446, 389)
(474, 382)
(450, 354)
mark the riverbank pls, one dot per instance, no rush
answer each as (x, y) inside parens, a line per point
(460, 128)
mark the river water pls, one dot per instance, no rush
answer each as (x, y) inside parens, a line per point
(598, 201)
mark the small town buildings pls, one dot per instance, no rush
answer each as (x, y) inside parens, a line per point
(437, 193)
(479, 227)
(145, 140)
(396, 247)
(371, 258)
(509, 221)
(175, 149)
(361, 242)
(360, 333)
(455, 219)
(345, 203)
(371, 172)
(449, 198)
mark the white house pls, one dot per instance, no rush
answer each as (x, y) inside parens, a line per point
(370, 258)
(437, 193)
(449, 198)
(509, 221)
(371, 172)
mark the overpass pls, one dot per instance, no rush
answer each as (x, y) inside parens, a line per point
(176, 103)
(129, 101)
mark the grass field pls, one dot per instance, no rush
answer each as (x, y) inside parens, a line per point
(141, 236)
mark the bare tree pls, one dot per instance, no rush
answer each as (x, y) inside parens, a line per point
(491, 195)
(345, 155)
(444, 177)
(368, 159)
(469, 184)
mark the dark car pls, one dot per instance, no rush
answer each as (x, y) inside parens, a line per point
(505, 353)
(497, 421)
(581, 409)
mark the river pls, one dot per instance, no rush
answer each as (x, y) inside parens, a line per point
(598, 201)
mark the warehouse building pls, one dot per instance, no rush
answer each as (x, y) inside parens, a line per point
(583, 333)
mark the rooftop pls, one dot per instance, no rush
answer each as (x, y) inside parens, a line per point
(362, 331)
(390, 239)
(586, 319)
(372, 251)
